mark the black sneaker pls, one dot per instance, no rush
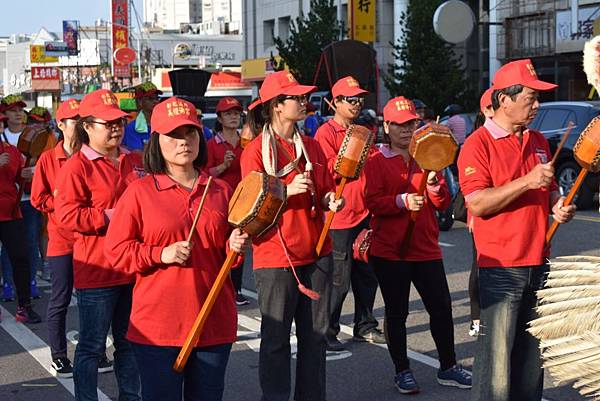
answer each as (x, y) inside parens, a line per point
(241, 300)
(26, 314)
(62, 367)
(105, 365)
(374, 336)
(335, 345)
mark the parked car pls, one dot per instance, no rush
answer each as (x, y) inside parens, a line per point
(552, 120)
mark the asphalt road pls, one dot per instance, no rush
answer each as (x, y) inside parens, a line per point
(364, 372)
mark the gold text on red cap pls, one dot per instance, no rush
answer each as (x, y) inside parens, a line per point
(177, 108)
(531, 70)
(402, 105)
(351, 82)
(290, 77)
(109, 99)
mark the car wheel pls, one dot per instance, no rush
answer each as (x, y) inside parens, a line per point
(566, 174)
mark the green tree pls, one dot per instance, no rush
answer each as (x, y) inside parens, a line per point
(308, 36)
(426, 67)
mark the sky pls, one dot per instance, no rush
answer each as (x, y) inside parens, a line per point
(28, 16)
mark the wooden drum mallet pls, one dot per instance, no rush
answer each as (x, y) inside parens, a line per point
(587, 154)
(433, 148)
(255, 207)
(349, 164)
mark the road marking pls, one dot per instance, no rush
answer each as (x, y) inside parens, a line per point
(587, 218)
(37, 348)
(446, 244)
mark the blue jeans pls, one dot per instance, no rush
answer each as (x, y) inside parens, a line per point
(99, 308)
(507, 362)
(202, 380)
(32, 218)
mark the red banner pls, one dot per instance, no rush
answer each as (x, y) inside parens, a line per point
(44, 73)
(120, 35)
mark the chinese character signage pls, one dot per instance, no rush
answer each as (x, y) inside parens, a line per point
(70, 36)
(37, 54)
(361, 19)
(568, 41)
(120, 35)
(45, 78)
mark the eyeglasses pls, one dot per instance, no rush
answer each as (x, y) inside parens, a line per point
(353, 100)
(298, 98)
(120, 123)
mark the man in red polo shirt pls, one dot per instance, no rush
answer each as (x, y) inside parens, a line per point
(510, 190)
(347, 224)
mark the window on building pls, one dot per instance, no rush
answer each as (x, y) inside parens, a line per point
(268, 33)
(284, 28)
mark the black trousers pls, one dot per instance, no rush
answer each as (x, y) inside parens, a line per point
(346, 271)
(474, 284)
(61, 274)
(429, 279)
(14, 239)
(280, 302)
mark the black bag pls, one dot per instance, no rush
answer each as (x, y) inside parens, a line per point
(460, 209)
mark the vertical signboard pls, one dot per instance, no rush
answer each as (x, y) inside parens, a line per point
(120, 35)
(71, 36)
(361, 19)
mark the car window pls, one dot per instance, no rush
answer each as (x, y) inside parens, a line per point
(535, 124)
(556, 119)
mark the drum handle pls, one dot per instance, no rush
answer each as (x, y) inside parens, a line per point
(413, 216)
(567, 202)
(330, 215)
(196, 330)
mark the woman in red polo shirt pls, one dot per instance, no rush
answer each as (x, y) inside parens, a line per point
(391, 181)
(87, 190)
(224, 152)
(289, 248)
(147, 236)
(59, 253)
(12, 228)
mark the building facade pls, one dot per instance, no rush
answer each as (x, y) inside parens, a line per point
(170, 14)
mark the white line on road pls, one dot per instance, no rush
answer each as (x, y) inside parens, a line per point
(37, 348)
(446, 244)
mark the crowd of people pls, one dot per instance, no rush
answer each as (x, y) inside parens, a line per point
(120, 197)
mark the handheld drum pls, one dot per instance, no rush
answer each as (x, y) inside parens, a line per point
(587, 154)
(255, 207)
(433, 148)
(350, 161)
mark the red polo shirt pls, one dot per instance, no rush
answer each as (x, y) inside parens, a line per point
(330, 136)
(299, 229)
(88, 186)
(386, 179)
(60, 240)
(9, 176)
(153, 213)
(216, 147)
(489, 158)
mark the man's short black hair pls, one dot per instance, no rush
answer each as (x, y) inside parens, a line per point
(511, 91)
(154, 162)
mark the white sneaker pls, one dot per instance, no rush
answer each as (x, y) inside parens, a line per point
(474, 331)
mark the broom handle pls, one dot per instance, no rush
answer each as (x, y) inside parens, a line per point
(194, 334)
(413, 216)
(567, 202)
(330, 214)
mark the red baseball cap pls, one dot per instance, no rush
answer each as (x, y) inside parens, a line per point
(12, 101)
(486, 99)
(101, 103)
(520, 72)
(347, 86)
(399, 110)
(67, 109)
(40, 114)
(280, 83)
(228, 103)
(172, 114)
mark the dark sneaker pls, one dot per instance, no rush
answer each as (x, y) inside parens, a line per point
(405, 382)
(26, 314)
(35, 294)
(7, 293)
(105, 365)
(456, 376)
(374, 336)
(333, 344)
(241, 300)
(62, 367)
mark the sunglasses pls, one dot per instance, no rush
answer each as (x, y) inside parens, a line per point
(353, 100)
(298, 98)
(120, 123)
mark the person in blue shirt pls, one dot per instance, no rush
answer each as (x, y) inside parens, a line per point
(137, 132)
(312, 121)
